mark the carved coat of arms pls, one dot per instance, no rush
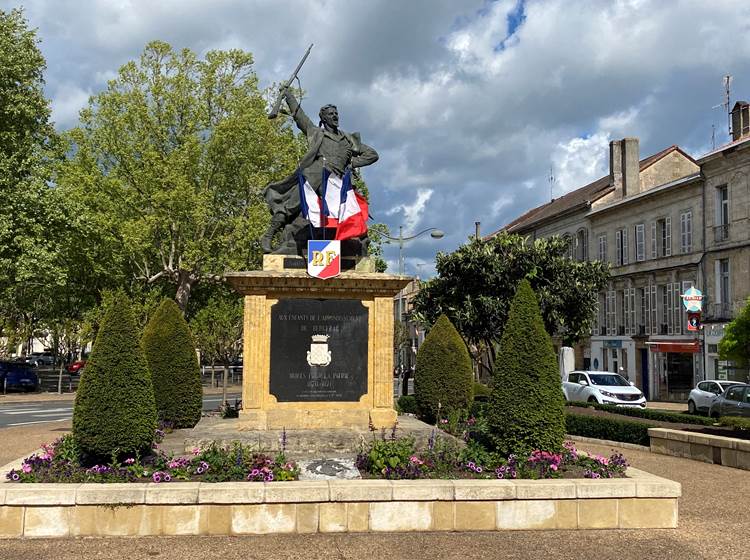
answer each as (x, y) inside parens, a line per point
(319, 354)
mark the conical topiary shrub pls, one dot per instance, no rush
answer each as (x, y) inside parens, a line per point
(175, 372)
(114, 409)
(526, 410)
(443, 377)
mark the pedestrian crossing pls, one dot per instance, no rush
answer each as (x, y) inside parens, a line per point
(23, 414)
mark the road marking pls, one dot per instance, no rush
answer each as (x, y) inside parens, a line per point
(38, 422)
(21, 410)
(50, 414)
(39, 410)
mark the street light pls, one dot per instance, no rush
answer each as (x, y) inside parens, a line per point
(434, 233)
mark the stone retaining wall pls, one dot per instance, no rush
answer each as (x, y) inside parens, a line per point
(719, 450)
(238, 508)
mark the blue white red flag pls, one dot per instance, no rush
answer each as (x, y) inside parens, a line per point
(341, 206)
(323, 258)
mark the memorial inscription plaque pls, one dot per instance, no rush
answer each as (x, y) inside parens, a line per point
(319, 350)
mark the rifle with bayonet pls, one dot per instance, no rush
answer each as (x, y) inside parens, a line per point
(277, 104)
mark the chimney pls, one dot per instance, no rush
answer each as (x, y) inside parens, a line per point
(631, 167)
(615, 167)
(740, 116)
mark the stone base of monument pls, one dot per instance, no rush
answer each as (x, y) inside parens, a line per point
(302, 443)
(318, 354)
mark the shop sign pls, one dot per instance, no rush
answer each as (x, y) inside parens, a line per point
(692, 299)
(612, 343)
(693, 321)
(692, 347)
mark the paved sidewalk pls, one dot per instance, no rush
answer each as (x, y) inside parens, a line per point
(713, 524)
(41, 397)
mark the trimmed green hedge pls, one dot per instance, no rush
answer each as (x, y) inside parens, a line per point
(735, 422)
(443, 377)
(613, 429)
(481, 392)
(526, 408)
(114, 411)
(407, 404)
(649, 414)
(175, 372)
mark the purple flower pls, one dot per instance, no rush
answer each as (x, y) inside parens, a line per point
(199, 470)
(15, 476)
(156, 477)
(269, 478)
(129, 461)
(167, 477)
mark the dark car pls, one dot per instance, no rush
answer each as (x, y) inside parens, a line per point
(735, 401)
(18, 375)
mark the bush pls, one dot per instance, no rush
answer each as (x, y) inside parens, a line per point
(735, 422)
(114, 410)
(526, 408)
(175, 372)
(650, 414)
(443, 377)
(602, 427)
(407, 404)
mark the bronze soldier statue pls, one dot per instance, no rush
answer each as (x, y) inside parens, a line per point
(329, 148)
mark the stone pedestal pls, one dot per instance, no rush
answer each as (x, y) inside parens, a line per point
(342, 378)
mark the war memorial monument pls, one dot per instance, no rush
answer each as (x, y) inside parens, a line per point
(318, 321)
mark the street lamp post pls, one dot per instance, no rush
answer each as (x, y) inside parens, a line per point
(434, 233)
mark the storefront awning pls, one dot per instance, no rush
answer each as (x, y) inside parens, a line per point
(683, 346)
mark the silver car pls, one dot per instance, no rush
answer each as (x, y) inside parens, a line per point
(704, 394)
(734, 402)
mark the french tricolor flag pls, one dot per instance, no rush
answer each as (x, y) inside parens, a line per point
(341, 206)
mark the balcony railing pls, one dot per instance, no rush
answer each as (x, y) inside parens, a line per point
(721, 233)
(720, 311)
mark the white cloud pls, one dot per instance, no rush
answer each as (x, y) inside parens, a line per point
(412, 213)
(67, 101)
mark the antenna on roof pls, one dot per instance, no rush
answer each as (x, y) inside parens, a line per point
(551, 179)
(727, 97)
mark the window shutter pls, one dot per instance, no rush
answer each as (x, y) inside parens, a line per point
(717, 281)
(653, 240)
(625, 246)
(618, 248)
(668, 236)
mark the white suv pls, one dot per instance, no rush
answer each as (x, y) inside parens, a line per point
(602, 387)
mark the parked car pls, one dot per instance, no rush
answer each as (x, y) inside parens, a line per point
(18, 375)
(705, 393)
(734, 401)
(602, 387)
(40, 359)
(76, 367)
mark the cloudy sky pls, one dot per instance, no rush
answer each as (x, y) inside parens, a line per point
(469, 103)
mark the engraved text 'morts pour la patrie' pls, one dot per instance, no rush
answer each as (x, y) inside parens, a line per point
(319, 350)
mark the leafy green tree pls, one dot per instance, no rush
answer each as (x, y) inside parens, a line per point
(443, 378)
(114, 410)
(172, 158)
(217, 326)
(173, 365)
(476, 283)
(526, 410)
(735, 345)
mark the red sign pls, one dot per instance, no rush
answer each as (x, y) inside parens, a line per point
(692, 347)
(694, 321)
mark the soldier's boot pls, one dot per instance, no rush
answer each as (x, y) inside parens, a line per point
(277, 224)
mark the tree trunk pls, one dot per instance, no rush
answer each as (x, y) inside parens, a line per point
(184, 286)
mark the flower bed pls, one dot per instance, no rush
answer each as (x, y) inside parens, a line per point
(60, 462)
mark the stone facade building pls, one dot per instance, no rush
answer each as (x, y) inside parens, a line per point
(664, 223)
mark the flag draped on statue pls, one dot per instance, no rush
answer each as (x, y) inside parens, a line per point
(340, 207)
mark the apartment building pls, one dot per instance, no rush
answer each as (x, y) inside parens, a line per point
(664, 223)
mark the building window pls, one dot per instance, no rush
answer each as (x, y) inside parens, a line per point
(723, 295)
(663, 231)
(603, 247)
(721, 230)
(675, 317)
(640, 242)
(611, 312)
(582, 245)
(629, 311)
(569, 249)
(621, 247)
(665, 308)
(686, 231)
(643, 304)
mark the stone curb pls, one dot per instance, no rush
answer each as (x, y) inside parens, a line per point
(639, 484)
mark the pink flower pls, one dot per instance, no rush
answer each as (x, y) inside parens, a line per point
(26, 468)
(444, 421)
(129, 461)
(196, 451)
(602, 460)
